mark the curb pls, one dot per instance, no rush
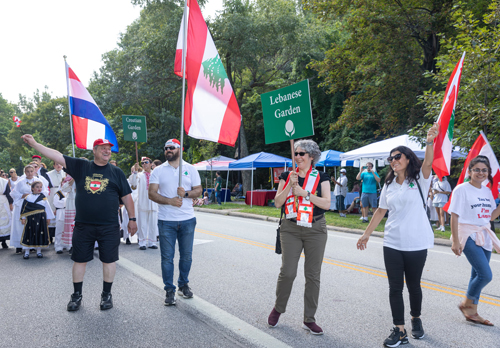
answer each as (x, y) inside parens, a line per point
(437, 241)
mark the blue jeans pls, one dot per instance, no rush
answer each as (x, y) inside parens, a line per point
(339, 203)
(481, 272)
(218, 195)
(183, 232)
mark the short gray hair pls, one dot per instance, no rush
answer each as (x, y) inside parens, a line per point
(310, 147)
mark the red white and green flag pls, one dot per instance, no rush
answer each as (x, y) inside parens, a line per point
(211, 111)
(481, 147)
(443, 142)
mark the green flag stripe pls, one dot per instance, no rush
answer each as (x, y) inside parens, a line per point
(451, 126)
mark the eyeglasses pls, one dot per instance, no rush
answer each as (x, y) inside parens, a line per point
(11, 172)
(171, 148)
(395, 157)
(477, 170)
(301, 154)
(145, 162)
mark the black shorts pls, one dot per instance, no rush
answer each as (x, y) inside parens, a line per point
(85, 236)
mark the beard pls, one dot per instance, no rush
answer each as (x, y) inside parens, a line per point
(172, 156)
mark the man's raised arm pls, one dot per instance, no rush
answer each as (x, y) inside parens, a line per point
(52, 154)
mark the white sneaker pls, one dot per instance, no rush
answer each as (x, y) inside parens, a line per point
(442, 229)
(361, 218)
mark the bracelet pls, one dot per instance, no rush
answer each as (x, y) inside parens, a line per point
(429, 143)
(132, 219)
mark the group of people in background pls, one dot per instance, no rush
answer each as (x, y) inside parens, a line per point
(108, 206)
(163, 209)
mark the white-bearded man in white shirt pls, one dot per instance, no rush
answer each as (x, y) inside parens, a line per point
(147, 218)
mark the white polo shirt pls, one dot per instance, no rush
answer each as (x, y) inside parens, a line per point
(407, 227)
(167, 178)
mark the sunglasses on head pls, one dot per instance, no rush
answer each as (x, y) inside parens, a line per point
(301, 154)
(478, 170)
(395, 157)
(171, 148)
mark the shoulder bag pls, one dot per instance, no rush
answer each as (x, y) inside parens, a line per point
(277, 249)
(427, 212)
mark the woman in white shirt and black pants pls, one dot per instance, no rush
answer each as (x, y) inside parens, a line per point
(407, 234)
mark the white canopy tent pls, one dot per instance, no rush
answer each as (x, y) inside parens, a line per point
(381, 150)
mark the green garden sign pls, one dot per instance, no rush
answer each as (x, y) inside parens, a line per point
(134, 128)
(287, 113)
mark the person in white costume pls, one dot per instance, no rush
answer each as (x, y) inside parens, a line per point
(5, 212)
(56, 177)
(59, 203)
(20, 192)
(35, 229)
(14, 179)
(147, 218)
(69, 189)
(126, 236)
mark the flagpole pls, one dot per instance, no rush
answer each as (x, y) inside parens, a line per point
(69, 105)
(184, 49)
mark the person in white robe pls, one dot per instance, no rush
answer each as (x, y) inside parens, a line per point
(20, 192)
(5, 212)
(147, 218)
(59, 203)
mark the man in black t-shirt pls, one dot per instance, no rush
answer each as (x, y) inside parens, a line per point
(99, 185)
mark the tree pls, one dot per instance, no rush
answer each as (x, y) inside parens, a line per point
(478, 101)
(379, 64)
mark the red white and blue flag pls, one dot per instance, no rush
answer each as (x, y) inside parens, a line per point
(211, 110)
(17, 121)
(89, 124)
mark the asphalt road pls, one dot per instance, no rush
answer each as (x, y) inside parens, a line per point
(234, 277)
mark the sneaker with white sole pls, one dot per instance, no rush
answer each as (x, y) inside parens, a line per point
(185, 291)
(273, 318)
(417, 330)
(170, 298)
(396, 338)
(313, 328)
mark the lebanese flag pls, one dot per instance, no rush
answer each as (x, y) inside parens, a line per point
(446, 121)
(17, 121)
(89, 124)
(211, 111)
(481, 147)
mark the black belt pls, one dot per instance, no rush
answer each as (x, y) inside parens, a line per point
(315, 218)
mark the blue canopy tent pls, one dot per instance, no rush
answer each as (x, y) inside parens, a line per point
(331, 158)
(260, 160)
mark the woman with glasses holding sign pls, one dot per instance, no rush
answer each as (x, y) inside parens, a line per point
(305, 195)
(472, 207)
(407, 234)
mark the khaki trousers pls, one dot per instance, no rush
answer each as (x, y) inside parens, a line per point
(294, 240)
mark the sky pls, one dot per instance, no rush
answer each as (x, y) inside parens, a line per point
(36, 34)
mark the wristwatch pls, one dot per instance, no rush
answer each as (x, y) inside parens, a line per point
(132, 219)
(186, 194)
(308, 195)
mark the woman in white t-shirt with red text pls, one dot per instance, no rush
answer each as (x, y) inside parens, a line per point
(407, 233)
(472, 207)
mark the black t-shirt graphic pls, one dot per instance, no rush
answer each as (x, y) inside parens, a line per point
(98, 189)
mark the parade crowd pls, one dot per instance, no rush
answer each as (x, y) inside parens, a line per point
(83, 205)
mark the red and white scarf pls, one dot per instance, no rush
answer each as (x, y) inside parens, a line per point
(304, 213)
(147, 175)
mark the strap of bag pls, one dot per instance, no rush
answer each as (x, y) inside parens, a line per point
(282, 212)
(423, 201)
(422, 196)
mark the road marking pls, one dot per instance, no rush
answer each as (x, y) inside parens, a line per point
(375, 272)
(229, 321)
